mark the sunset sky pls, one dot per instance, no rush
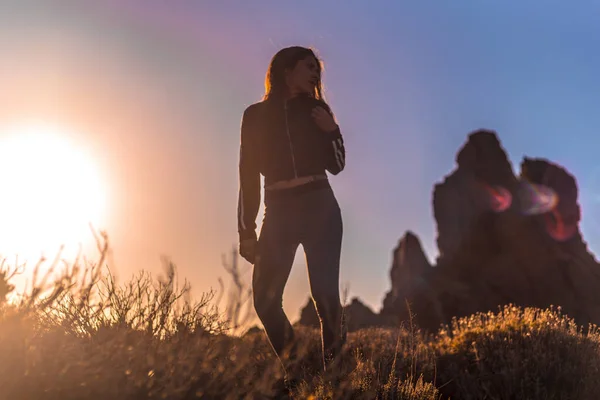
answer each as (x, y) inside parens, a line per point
(151, 93)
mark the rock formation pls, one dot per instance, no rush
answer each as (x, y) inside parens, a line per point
(501, 238)
(503, 241)
(356, 315)
(409, 269)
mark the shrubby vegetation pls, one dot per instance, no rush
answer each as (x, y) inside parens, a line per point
(78, 334)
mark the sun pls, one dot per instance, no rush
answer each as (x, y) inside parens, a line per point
(51, 190)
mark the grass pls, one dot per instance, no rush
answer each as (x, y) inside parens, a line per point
(83, 335)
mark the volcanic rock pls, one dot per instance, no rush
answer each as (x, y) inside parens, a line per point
(356, 316)
(502, 240)
(409, 269)
(493, 250)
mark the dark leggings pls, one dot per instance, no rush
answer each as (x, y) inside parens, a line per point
(314, 220)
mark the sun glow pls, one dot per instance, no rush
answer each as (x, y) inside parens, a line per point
(51, 191)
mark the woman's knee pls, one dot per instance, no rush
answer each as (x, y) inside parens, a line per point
(266, 302)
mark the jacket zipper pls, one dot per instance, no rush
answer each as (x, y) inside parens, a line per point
(287, 130)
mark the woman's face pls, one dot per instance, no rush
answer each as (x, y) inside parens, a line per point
(304, 77)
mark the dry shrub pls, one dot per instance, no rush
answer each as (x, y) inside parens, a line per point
(518, 354)
(83, 335)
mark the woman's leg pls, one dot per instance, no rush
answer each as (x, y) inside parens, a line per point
(277, 247)
(322, 241)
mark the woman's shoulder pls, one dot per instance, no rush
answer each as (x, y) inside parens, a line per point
(254, 107)
(255, 110)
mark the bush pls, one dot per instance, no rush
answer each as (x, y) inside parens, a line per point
(84, 336)
(518, 354)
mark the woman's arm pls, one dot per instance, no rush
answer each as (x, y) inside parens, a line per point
(249, 177)
(335, 151)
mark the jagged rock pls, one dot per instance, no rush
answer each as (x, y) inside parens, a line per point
(253, 330)
(494, 251)
(409, 267)
(502, 239)
(483, 167)
(308, 315)
(356, 315)
(564, 222)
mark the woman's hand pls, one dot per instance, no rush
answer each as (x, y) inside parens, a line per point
(323, 119)
(248, 250)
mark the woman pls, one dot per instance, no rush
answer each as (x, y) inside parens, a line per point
(292, 139)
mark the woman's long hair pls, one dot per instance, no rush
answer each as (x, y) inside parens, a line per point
(287, 58)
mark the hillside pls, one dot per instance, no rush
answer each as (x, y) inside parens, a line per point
(143, 340)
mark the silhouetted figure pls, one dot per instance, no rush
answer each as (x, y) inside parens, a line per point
(292, 139)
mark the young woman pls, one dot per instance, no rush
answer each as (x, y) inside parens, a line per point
(292, 139)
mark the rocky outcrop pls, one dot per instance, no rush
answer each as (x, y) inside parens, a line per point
(409, 269)
(563, 220)
(356, 316)
(479, 185)
(502, 239)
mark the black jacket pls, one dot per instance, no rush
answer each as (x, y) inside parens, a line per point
(281, 141)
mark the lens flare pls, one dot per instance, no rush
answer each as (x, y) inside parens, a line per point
(535, 199)
(557, 229)
(500, 198)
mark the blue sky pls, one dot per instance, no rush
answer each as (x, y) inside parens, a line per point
(158, 88)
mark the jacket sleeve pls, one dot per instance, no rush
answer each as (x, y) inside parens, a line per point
(249, 178)
(335, 151)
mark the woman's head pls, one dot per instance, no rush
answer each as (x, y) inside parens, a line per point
(294, 70)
